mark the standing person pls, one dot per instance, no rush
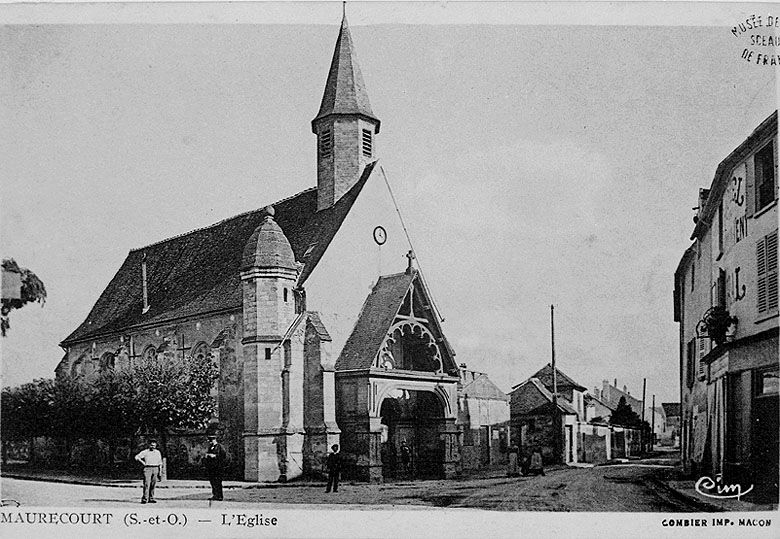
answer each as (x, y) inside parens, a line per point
(536, 466)
(215, 464)
(406, 456)
(151, 459)
(333, 464)
(513, 470)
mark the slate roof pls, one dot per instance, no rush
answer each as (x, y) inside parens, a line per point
(563, 404)
(374, 321)
(483, 387)
(671, 409)
(345, 92)
(199, 272)
(588, 398)
(545, 376)
(319, 327)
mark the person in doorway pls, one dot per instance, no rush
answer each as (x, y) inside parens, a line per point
(406, 456)
(333, 463)
(513, 469)
(536, 467)
(151, 459)
(214, 462)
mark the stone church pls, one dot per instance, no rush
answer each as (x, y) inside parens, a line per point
(314, 345)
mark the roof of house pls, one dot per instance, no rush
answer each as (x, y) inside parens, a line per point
(483, 387)
(563, 404)
(546, 408)
(375, 318)
(671, 408)
(545, 376)
(199, 272)
(592, 398)
(345, 90)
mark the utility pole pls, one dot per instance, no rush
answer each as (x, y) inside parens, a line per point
(642, 430)
(652, 429)
(555, 415)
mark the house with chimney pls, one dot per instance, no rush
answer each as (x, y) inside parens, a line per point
(279, 299)
(571, 428)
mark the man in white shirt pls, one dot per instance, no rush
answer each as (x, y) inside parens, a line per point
(152, 461)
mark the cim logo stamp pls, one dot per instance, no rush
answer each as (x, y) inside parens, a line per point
(710, 488)
(758, 32)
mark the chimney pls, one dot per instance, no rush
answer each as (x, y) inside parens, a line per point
(143, 279)
(614, 384)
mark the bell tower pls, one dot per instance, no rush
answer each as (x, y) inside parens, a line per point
(345, 125)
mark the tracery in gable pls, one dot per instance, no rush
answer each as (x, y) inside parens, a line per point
(409, 344)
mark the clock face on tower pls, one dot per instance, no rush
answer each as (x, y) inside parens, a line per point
(380, 235)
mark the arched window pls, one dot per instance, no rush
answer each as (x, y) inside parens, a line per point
(75, 368)
(107, 361)
(201, 351)
(150, 352)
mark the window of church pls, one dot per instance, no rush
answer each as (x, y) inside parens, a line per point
(267, 354)
(326, 143)
(367, 142)
(285, 295)
(107, 361)
(150, 352)
(201, 351)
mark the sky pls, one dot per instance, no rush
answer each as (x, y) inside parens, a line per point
(534, 164)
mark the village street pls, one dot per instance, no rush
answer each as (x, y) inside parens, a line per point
(608, 488)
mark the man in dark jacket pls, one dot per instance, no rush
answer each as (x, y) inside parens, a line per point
(214, 462)
(333, 463)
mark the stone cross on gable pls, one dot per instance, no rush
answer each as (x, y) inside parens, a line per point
(410, 256)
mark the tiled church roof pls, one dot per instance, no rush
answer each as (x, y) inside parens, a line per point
(374, 321)
(199, 272)
(376, 317)
(345, 91)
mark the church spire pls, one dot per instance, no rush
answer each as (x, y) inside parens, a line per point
(345, 91)
(345, 125)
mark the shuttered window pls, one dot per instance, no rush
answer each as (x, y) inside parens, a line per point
(721, 285)
(326, 143)
(689, 364)
(766, 265)
(367, 143)
(765, 177)
(702, 352)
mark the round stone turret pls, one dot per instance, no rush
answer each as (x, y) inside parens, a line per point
(268, 246)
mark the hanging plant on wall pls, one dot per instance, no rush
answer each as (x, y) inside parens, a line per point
(716, 323)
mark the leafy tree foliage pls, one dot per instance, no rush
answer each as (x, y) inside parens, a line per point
(151, 396)
(624, 415)
(170, 394)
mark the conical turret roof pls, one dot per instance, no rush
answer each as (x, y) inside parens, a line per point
(268, 246)
(345, 90)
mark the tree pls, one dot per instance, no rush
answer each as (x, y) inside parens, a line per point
(20, 287)
(624, 415)
(162, 395)
(26, 412)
